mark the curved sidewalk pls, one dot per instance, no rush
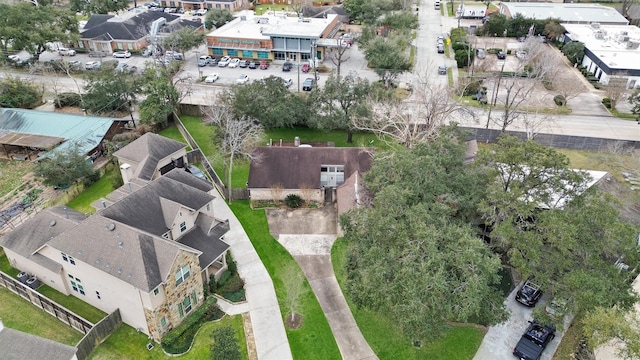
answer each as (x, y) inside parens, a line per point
(262, 303)
(313, 254)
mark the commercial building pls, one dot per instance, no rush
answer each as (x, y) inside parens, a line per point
(567, 13)
(611, 51)
(273, 37)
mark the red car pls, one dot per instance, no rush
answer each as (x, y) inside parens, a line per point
(264, 65)
(305, 68)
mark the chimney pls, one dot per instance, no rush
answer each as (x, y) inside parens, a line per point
(125, 171)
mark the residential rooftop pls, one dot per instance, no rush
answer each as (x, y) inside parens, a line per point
(615, 45)
(574, 13)
(248, 25)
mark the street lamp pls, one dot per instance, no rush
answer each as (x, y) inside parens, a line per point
(314, 55)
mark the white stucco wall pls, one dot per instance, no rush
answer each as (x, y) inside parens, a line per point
(45, 275)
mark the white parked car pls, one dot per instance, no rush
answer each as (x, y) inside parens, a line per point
(287, 82)
(91, 65)
(211, 78)
(233, 63)
(224, 61)
(15, 58)
(243, 79)
(66, 52)
(122, 54)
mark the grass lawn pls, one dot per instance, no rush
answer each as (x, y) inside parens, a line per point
(11, 173)
(570, 340)
(388, 341)
(260, 9)
(313, 340)
(5, 266)
(73, 303)
(99, 189)
(173, 133)
(18, 314)
(127, 343)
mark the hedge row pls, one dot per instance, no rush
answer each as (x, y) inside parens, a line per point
(179, 339)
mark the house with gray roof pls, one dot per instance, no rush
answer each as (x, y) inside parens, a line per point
(150, 156)
(17, 345)
(130, 31)
(147, 251)
(313, 173)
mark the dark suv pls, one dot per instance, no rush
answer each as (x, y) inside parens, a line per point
(287, 66)
(308, 84)
(529, 294)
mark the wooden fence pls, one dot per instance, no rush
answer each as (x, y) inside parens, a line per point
(53, 308)
(97, 334)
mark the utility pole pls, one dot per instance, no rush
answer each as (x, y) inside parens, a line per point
(495, 95)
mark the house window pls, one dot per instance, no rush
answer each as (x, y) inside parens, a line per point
(194, 298)
(186, 304)
(226, 6)
(208, 6)
(182, 274)
(98, 295)
(180, 311)
(76, 284)
(68, 259)
(119, 45)
(163, 322)
(263, 55)
(156, 291)
(217, 6)
(232, 52)
(81, 44)
(217, 51)
(172, 4)
(183, 226)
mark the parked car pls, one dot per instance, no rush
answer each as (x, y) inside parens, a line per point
(175, 55)
(440, 41)
(287, 83)
(75, 64)
(224, 61)
(529, 294)
(97, 53)
(200, 12)
(243, 63)
(253, 65)
(123, 67)
(15, 58)
(233, 63)
(197, 173)
(501, 55)
(264, 65)
(305, 68)
(308, 84)
(204, 60)
(521, 54)
(480, 53)
(287, 66)
(534, 341)
(66, 52)
(93, 65)
(211, 78)
(213, 62)
(442, 70)
(122, 54)
(440, 49)
(242, 79)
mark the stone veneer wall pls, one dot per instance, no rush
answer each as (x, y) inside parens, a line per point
(174, 295)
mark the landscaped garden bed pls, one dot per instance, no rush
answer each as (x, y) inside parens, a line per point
(179, 340)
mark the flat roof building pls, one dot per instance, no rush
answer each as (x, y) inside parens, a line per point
(272, 37)
(568, 13)
(611, 51)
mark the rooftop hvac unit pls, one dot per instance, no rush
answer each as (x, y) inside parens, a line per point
(595, 25)
(23, 277)
(33, 282)
(599, 34)
(624, 33)
(623, 38)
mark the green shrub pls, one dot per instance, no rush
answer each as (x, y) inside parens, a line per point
(67, 99)
(109, 64)
(293, 201)
(225, 345)
(231, 264)
(560, 100)
(548, 85)
(211, 286)
(493, 50)
(509, 52)
(179, 339)
(607, 103)
(31, 196)
(224, 278)
(460, 46)
(91, 178)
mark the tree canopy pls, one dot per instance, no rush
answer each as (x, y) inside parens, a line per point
(18, 93)
(386, 57)
(162, 96)
(215, 18)
(183, 39)
(64, 167)
(412, 252)
(89, 7)
(109, 91)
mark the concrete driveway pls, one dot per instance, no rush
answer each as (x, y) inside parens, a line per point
(308, 235)
(499, 341)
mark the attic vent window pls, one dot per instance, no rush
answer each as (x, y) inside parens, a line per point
(52, 223)
(111, 227)
(120, 244)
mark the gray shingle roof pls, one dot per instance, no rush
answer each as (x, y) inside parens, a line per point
(148, 150)
(107, 28)
(294, 167)
(143, 209)
(119, 250)
(208, 243)
(186, 178)
(35, 232)
(16, 345)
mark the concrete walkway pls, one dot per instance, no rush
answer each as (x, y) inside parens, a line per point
(313, 254)
(262, 303)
